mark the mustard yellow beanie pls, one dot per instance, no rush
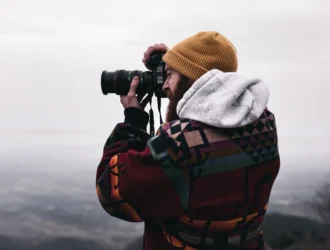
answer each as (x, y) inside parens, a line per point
(202, 52)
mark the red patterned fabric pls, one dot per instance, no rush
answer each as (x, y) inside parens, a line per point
(194, 186)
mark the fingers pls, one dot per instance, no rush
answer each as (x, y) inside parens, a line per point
(134, 85)
(158, 47)
(139, 97)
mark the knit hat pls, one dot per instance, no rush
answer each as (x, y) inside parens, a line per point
(202, 52)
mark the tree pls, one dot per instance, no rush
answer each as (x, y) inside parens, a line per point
(320, 204)
(320, 207)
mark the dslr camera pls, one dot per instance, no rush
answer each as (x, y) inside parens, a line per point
(151, 82)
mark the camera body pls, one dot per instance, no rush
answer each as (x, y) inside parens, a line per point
(119, 81)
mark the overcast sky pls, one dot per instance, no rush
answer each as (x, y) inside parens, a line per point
(52, 54)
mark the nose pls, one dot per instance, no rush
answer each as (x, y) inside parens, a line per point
(165, 86)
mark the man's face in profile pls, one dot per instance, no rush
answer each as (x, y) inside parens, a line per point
(175, 86)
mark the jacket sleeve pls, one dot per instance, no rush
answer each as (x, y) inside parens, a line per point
(139, 177)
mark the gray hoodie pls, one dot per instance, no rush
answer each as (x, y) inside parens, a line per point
(224, 100)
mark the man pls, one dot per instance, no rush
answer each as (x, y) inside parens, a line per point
(204, 180)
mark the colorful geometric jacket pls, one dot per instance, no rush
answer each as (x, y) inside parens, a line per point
(194, 185)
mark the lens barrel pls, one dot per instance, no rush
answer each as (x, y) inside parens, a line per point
(119, 82)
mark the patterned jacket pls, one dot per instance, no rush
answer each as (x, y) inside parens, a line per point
(194, 185)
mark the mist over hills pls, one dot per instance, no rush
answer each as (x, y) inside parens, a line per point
(48, 200)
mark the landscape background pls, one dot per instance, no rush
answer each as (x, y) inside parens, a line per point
(55, 119)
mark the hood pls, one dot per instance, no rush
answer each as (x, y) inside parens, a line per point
(224, 100)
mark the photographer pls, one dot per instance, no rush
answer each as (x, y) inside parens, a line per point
(204, 180)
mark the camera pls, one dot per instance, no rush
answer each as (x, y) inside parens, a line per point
(119, 81)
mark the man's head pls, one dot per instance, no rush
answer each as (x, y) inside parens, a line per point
(190, 59)
(175, 86)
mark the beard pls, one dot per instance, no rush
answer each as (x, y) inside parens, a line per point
(171, 114)
(174, 98)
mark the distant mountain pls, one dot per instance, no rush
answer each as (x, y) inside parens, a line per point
(136, 244)
(10, 243)
(275, 225)
(48, 199)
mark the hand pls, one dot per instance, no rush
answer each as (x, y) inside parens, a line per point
(131, 100)
(158, 47)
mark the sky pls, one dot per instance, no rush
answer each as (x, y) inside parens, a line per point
(54, 119)
(52, 54)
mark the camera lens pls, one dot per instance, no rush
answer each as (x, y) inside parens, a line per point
(108, 82)
(119, 82)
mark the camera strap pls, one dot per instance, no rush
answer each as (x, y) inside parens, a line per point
(151, 114)
(160, 112)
